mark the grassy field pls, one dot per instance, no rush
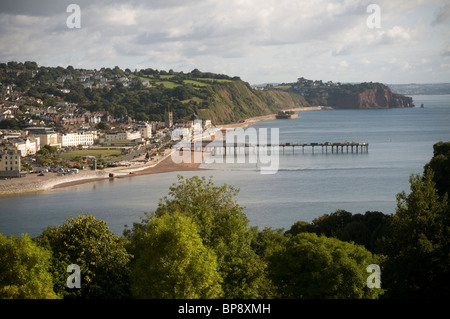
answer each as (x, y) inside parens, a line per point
(104, 153)
(195, 99)
(166, 80)
(167, 84)
(214, 80)
(196, 83)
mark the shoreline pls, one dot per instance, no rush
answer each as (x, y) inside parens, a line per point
(34, 183)
(256, 119)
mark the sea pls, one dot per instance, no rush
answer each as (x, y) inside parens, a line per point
(306, 184)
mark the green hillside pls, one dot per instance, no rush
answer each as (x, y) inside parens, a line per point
(143, 95)
(236, 101)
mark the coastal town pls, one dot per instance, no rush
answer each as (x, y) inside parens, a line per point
(64, 125)
(60, 139)
(40, 157)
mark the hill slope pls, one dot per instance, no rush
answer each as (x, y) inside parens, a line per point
(236, 101)
(142, 95)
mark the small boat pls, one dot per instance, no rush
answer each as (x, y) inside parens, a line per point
(421, 105)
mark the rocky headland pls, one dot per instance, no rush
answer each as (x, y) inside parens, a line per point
(380, 98)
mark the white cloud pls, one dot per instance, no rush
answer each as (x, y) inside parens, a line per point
(257, 40)
(396, 35)
(343, 64)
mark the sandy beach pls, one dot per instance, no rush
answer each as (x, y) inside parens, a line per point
(160, 164)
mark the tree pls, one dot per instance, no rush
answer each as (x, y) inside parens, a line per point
(24, 269)
(49, 149)
(100, 254)
(10, 124)
(313, 267)
(102, 126)
(141, 116)
(418, 263)
(331, 225)
(172, 262)
(368, 229)
(440, 164)
(223, 228)
(268, 240)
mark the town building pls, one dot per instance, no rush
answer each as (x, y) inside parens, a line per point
(6, 114)
(27, 146)
(122, 138)
(88, 130)
(10, 163)
(207, 124)
(46, 135)
(145, 129)
(181, 132)
(76, 139)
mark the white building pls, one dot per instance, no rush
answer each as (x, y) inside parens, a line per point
(76, 139)
(181, 132)
(207, 124)
(6, 114)
(197, 128)
(46, 135)
(145, 130)
(28, 146)
(112, 137)
(88, 130)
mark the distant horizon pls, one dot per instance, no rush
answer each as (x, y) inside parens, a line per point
(231, 75)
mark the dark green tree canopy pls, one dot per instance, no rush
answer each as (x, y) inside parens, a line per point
(368, 229)
(418, 247)
(313, 267)
(440, 164)
(100, 254)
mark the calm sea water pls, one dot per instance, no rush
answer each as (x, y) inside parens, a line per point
(306, 186)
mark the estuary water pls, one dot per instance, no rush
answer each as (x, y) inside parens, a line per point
(306, 185)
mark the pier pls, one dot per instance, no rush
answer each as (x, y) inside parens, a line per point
(224, 147)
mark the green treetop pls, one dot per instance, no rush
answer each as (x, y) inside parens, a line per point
(24, 269)
(172, 262)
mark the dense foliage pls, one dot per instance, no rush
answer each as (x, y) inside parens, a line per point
(419, 243)
(440, 167)
(313, 267)
(24, 269)
(172, 262)
(367, 230)
(100, 254)
(223, 229)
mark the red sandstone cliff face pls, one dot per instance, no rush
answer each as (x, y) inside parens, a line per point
(371, 99)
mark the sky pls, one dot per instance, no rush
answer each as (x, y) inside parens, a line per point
(262, 41)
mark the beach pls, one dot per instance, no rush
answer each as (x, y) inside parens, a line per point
(160, 164)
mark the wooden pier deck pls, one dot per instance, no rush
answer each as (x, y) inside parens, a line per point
(219, 146)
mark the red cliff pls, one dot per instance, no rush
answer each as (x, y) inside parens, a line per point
(377, 98)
